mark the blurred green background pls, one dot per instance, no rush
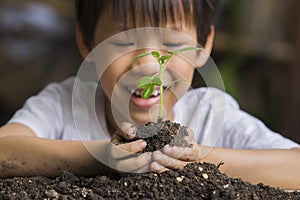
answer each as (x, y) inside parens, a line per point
(256, 49)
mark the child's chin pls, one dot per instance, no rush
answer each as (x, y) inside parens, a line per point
(140, 118)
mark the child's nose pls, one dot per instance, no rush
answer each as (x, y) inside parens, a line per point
(145, 66)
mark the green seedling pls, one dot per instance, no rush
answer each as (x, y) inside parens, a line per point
(147, 83)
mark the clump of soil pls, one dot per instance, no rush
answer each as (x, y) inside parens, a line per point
(160, 133)
(195, 181)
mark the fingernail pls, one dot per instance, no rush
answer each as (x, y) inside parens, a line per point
(128, 128)
(142, 144)
(131, 130)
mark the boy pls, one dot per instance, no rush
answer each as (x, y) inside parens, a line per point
(40, 139)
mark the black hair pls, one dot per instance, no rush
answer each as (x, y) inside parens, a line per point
(155, 13)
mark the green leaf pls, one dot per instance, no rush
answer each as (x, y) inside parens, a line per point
(163, 59)
(190, 49)
(140, 56)
(144, 81)
(184, 49)
(156, 80)
(147, 91)
(174, 51)
(155, 54)
(147, 80)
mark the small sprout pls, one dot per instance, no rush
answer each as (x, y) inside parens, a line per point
(200, 169)
(148, 83)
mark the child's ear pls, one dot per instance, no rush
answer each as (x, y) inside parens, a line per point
(207, 48)
(83, 49)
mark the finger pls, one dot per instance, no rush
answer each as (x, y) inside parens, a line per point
(115, 139)
(158, 168)
(188, 154)
(139, 164)
(135, 146)
(167, 161)
(115, 152)
(127, 131)
(144, 169)
(191, 135)
(127, 149)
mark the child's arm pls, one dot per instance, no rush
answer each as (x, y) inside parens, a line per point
(24, 154)
(274, 167)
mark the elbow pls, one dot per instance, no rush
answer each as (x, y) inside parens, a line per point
(296, 149)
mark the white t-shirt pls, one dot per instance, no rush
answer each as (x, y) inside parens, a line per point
(214, 116)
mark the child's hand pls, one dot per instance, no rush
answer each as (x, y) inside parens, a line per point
(124, 157)
(176, 157)
(127, 131)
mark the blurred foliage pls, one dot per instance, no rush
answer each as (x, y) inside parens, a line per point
(37, 46)
(256, 50)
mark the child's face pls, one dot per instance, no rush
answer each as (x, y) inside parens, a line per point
(120, 77)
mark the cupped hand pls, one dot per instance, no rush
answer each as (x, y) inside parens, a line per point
(126, 131)
(126, 157)
(173, 157)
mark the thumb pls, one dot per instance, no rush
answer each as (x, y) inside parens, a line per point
(127, 131)
(127, 149)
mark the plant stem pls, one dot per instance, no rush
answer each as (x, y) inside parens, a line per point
(161, 66)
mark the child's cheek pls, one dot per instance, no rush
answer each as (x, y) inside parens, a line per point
(108, 81)
(181, 69)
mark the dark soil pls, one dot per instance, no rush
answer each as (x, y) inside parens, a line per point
(160, 133)
(195, 181)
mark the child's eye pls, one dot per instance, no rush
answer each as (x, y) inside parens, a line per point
(121, 44)
(172, 44)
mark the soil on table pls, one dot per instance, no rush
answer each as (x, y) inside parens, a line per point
(196, 181)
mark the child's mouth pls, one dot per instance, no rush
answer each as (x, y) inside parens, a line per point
(138, 101)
